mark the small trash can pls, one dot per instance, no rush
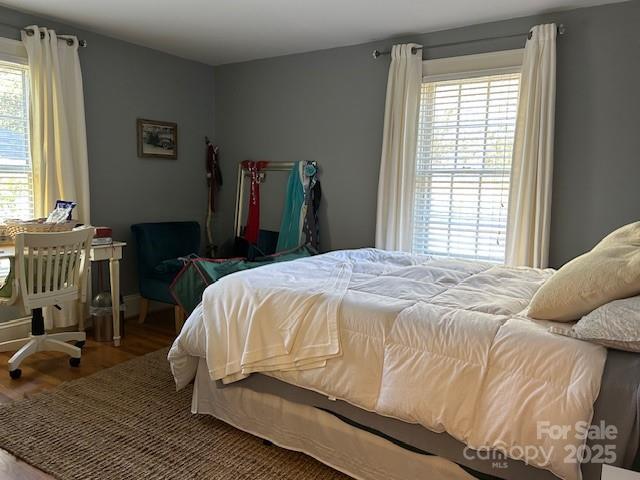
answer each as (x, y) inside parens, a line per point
(102, 317)
(102, 324)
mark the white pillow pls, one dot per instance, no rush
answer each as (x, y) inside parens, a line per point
(608, 272)
(614, 325)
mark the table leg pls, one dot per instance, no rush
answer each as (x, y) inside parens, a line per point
(84, 302)
(114, 277)
(80, 311)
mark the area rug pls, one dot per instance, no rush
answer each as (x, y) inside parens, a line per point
(128, 422)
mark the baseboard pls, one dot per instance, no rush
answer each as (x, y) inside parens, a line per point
(14, 329)
(132, 305)
(21, 327)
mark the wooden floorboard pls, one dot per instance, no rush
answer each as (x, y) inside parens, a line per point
(46, 370)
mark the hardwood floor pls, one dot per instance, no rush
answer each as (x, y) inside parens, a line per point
(44, 371)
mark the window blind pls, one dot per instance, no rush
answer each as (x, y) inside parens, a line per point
(463, 166)
(16, 178)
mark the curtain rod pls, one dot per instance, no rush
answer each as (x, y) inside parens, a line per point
(30, 32)
(561, 29)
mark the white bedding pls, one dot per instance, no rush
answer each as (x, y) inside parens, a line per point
(442, 343)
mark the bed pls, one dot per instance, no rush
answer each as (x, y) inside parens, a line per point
(390, 365)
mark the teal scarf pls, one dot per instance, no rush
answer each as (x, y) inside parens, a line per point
(290, 231)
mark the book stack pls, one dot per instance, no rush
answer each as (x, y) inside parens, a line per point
(103, 236)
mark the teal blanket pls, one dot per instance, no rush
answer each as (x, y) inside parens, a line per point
(189, 285)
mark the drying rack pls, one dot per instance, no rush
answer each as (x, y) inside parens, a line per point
(243, 175)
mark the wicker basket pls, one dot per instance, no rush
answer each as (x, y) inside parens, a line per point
(13, 228)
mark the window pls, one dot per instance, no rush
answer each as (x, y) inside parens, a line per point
(463, 165)
(16, 179)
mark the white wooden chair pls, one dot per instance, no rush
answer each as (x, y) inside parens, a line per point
(50, 269)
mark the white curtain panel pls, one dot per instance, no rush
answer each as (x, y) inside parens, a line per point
(58, 135)
(58, 132)
(394, 216)
(532, 168)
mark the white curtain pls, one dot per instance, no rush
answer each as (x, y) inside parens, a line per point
(532, 168)
(58, 134)
(394, 216)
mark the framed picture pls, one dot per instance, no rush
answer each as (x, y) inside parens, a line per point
(157, 139)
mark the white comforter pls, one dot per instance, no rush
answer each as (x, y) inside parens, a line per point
(442, 343)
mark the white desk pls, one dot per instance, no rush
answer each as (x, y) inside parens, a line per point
(112, 253)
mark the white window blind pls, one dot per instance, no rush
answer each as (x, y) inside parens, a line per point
(16, 179)
(465, 142)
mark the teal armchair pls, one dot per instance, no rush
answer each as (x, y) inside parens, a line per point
(158, 247)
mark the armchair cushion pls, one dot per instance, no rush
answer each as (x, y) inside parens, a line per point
(172, 265)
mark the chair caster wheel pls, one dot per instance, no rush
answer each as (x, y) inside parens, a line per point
(15, 374)
(80, 344)
(74, 362)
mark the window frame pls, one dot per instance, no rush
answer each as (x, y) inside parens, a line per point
(13, 51)
(468, 67)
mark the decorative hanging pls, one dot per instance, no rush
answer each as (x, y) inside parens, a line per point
(214, 182)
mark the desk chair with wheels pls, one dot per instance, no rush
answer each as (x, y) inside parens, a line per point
(50, 269)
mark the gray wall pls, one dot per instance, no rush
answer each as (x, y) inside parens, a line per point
(329, 105)
(121, 83)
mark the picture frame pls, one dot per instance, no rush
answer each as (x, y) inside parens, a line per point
(157, 139)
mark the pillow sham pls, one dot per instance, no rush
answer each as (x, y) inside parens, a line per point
(608, 272)
(614, 325)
